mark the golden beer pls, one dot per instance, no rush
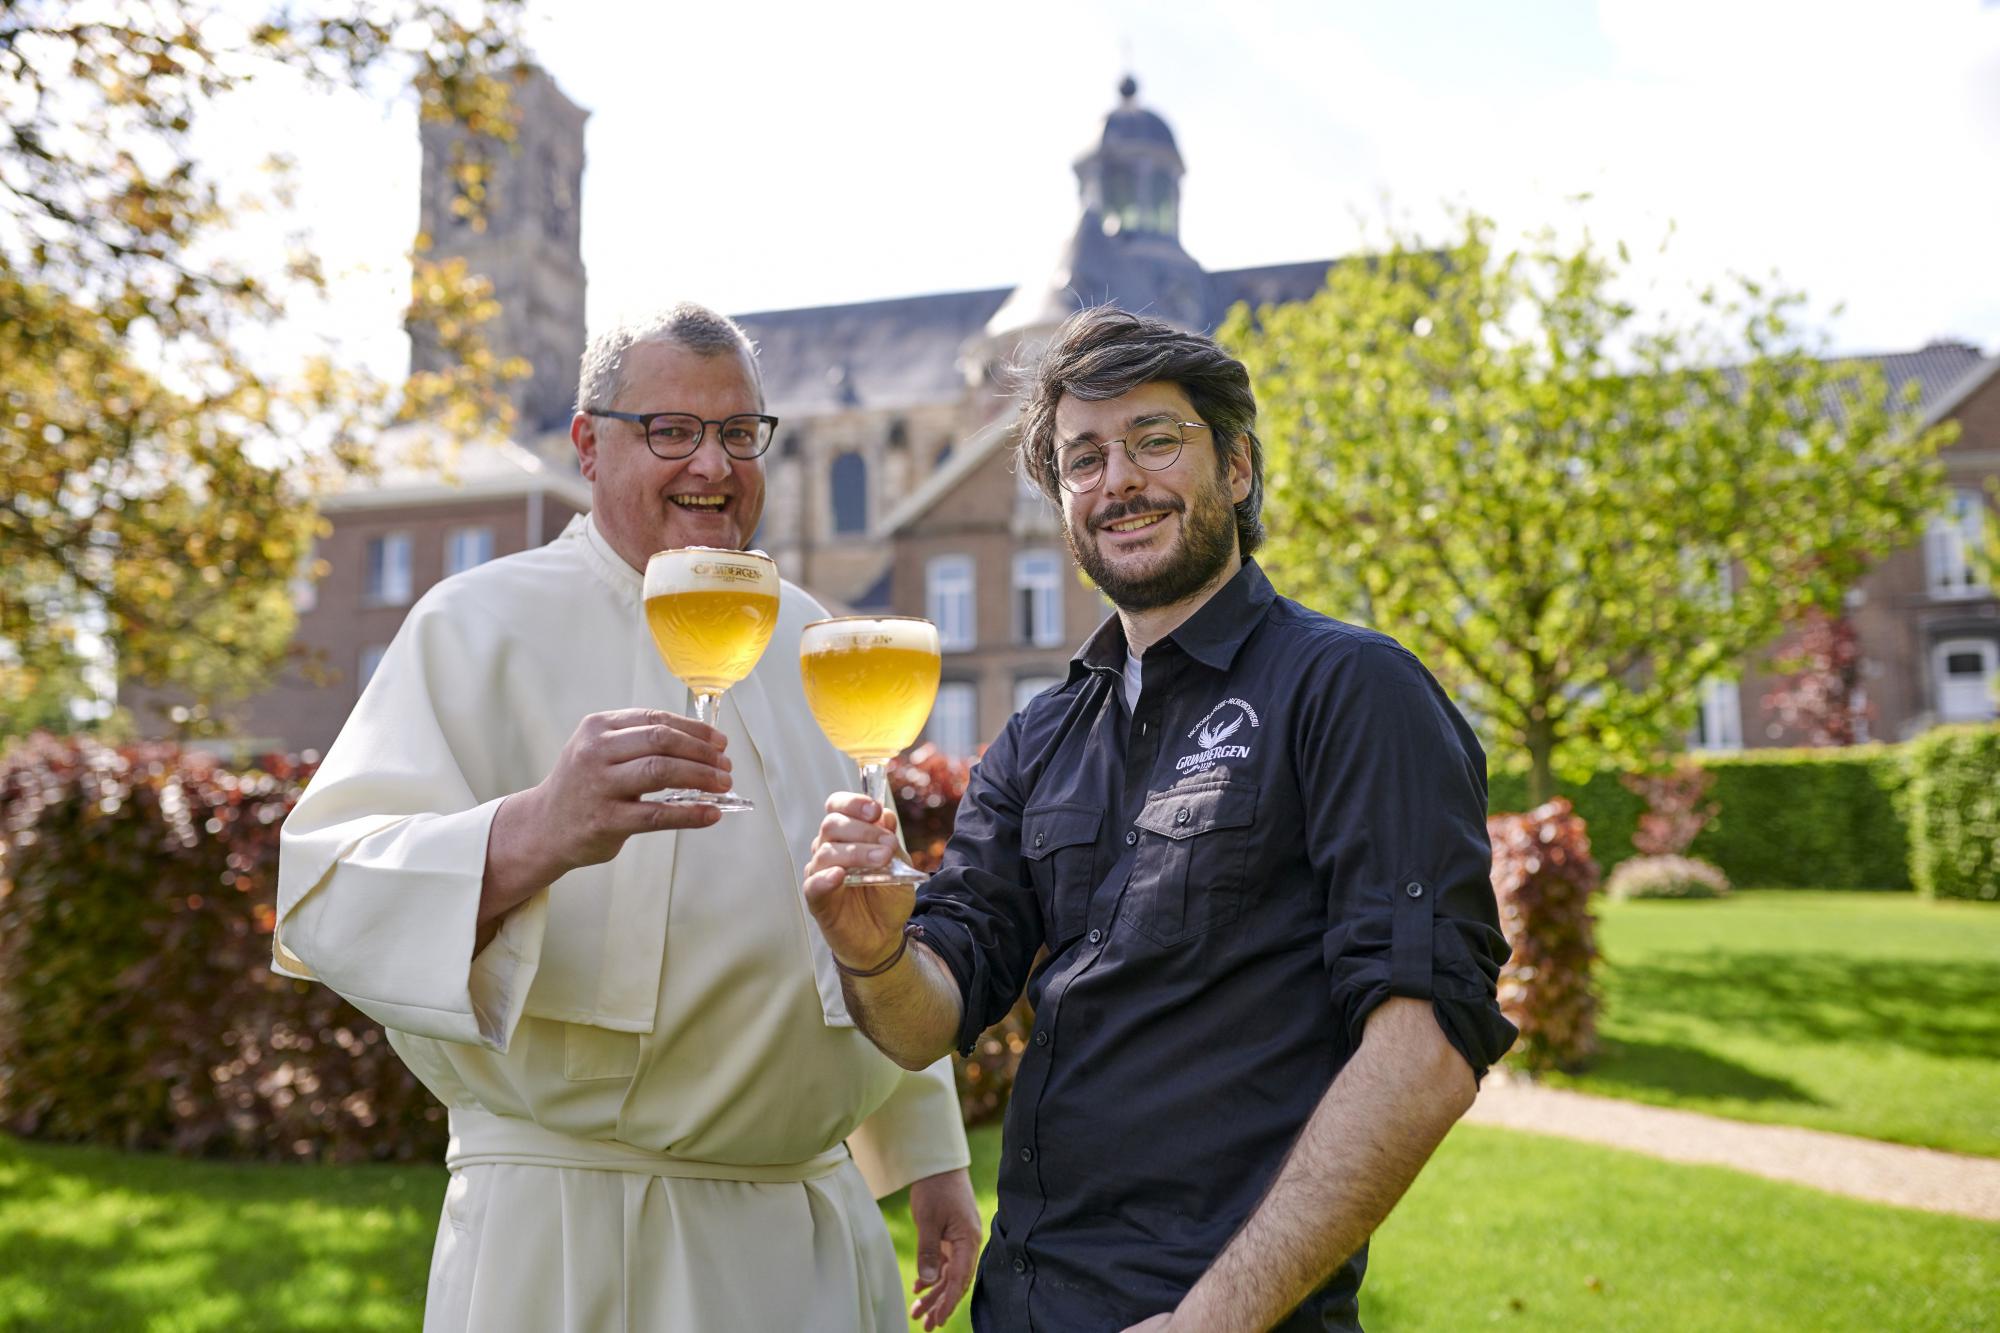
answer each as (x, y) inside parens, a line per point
(711, 613)
(871, 682)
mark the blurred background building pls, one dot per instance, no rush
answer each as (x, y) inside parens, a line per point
(891, 485)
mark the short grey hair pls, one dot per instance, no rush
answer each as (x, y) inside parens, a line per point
(695, 327)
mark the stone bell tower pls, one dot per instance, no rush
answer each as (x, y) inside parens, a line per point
(530, 247)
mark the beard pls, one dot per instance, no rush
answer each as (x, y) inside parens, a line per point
(1208, 538)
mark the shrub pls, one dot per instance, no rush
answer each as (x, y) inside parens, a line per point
(1666, 877)
(1830, 818)
(1809, 818)
(1955, 813)
(1543, 876)
(1675, 813)
(137, 1005)
(928, 786)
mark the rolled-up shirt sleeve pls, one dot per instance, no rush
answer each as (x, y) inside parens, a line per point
(977, 912)
(1395, 790)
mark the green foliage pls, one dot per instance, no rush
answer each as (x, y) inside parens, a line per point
(1809, 818)
(1858, 1013)
(1607, 808)
(137, 1003)
(1543, 878)
(1829, 818)
(1955, 813)
(159, 483)
(1665, 877)
(1574, 517)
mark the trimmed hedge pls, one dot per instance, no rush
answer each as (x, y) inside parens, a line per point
(138, 1008)
(1823, 819)
(1955, 813)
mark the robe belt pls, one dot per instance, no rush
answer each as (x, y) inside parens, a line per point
(480, 1138)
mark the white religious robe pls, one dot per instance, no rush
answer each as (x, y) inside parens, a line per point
(662, 1116)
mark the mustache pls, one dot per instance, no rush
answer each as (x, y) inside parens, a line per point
(1138, 504)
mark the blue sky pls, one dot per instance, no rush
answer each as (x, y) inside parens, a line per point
(898, 147)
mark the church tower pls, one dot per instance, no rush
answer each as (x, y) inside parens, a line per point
(1126, 249)
(530, 248)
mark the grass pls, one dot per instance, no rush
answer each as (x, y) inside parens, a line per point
(1502, 1229)
(1865, 1013)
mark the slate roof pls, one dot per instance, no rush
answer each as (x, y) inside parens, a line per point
(1936, 368)
(894, 353)
(904, 351)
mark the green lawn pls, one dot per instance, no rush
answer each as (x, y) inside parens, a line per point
(1875, 1014)
(1502, 1229)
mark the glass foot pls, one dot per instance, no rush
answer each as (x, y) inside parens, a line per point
(726, 801)
(898, 871)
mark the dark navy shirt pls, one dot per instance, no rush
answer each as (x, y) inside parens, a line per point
(1288, 828)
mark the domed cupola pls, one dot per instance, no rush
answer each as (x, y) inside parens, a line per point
(1126, 248)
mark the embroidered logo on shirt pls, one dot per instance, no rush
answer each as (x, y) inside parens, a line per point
(1223, 721)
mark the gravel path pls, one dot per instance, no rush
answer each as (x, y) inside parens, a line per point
(1939, 1182)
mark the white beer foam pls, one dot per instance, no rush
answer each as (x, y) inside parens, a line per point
(710, 569)
(917, 636)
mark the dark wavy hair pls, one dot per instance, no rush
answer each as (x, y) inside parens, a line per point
(1104, 351)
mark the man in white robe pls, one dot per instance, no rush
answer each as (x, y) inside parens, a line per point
(662, 1116)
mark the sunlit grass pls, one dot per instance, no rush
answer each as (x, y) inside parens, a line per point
(1875, 1014)
(1502, 1229)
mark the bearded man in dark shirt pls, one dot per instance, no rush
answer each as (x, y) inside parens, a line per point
(1251, 840)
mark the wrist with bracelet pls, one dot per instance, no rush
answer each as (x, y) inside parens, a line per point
(910, 929)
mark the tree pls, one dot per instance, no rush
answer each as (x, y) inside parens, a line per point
(1574, 516)
(1820, 701)
(158, 494)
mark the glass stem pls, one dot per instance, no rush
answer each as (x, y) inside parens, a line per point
(875, 784)
(704, 707)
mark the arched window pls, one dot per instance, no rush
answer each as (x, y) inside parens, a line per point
(850, 494)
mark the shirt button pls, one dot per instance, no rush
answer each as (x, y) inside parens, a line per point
(1181, 817)
(1131, 836)
(1096, 935)
(1041, 1039)
(1414, 889)
(1020, 1265)
(1027, 1154)
(1041, 838)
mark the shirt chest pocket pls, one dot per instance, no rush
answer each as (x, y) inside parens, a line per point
(1188, 869)
(1059, 843)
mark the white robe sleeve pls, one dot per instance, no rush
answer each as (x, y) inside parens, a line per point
(918, 1132)
(381, 861)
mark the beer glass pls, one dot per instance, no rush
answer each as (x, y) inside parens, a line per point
(711, 612)
(871, 681)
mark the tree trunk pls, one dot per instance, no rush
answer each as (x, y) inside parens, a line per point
(1541, 776)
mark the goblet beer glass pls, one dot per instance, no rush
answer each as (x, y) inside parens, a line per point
(871, 681)
(711, 612)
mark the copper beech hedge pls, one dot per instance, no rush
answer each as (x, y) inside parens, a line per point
(1543, 878)
(138, 1009)
(928, 785)
(137, 1004)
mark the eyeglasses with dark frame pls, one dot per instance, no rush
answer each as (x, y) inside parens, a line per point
(1080, 465)
(675, 435)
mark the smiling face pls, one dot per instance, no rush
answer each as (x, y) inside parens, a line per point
(643, 503)
(1151, 539)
